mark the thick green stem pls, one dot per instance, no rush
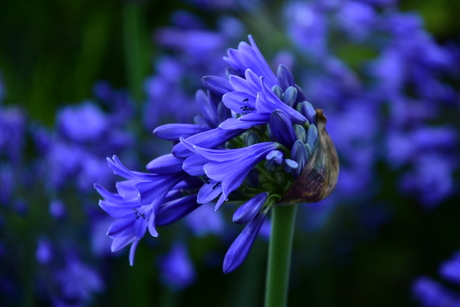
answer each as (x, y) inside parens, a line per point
(279, 255)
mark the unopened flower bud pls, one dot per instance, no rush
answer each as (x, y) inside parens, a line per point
(319, 176)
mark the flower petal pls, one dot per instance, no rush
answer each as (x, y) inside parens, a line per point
(243, 243)
(248, 210)
(172, 132)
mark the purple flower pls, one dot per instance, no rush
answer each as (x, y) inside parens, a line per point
(204, 221)
(176, 268)
(230, 167)
(57, 209)
(432, 294)
(77, 281)
(243, 243)
(44, 252)
(450, 269)
(431, 180)
(251, 116)
(82, 123)
(307, 27)
(357, 19)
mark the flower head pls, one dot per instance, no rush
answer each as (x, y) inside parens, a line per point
(257, 141)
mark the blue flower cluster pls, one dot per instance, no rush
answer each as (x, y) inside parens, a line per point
(250, 117)
(66, 159)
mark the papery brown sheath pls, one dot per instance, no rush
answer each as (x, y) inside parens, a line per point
(319, 176)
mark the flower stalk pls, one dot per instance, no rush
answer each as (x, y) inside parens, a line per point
(279, 255)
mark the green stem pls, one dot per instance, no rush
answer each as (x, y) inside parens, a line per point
(132, 46)
(279, 255)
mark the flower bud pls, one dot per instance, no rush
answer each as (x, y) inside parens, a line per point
(278, 91)
(300, 133)
(319, 176)
(290, 96)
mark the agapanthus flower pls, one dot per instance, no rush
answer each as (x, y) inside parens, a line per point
(432, 293)
(177, 268)
(258, 142)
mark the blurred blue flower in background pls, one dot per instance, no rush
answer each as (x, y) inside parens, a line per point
(431, 293)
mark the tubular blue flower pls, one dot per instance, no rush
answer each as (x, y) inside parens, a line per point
(209, 139)
(282, 129)
(249, 57)
(172, 132)
(139, 200)
(175, 210)
(230, 167)
(255, 101)
(242, 244)
(246, 212)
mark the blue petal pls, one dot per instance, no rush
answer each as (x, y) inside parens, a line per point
(300, 155)
(120, 242)
(193, 165)
(232, 170)
(236, 123)
(285, 77)
(267, 102)
(208, 108)
(290, 96)
(300, 133)
(243, 243)
(119, 169)
(151, 225)
(118, 210)
(275, 157)
(217, 85)
(312, 136)
(282, 129)
(240, 84)
(208, 139)
(307, 110)
(249, 57)
(165, 164)
(132, 251)
(222, 155)
(239, 102)
(246, 121)
(248, 210)
(223, 112)
(172, 132)
(209, 192)
(114, 198)
(121, 224)
(300, 94)
(265, 69)
(156, 189)
(175, 210)
(140, 226)
(127, 189)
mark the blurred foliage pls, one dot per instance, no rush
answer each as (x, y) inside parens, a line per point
(53, 51)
